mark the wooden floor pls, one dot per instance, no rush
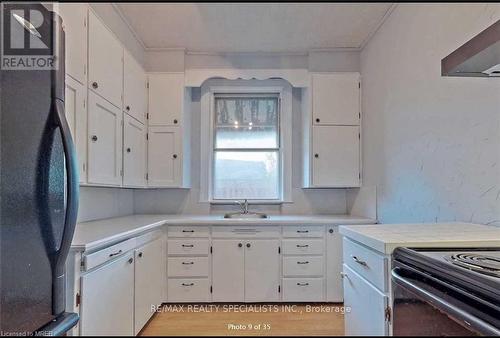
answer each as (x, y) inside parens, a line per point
(247, 320)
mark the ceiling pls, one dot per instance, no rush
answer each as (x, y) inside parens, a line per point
(247, 27)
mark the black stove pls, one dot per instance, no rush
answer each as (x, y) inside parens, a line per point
(446, 291)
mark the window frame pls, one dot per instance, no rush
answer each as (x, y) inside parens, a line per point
(210, 89)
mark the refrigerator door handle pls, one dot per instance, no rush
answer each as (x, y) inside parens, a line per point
(72, 196)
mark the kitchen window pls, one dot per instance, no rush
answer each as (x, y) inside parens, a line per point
(246, 153)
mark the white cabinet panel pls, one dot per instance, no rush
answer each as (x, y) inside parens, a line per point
(166, 98)
(336, 99)
(302, 289)
(105, 141)
(164, 157)
(188, 247)
(334, 290)
(367, 306)
(304, 231)
(134, 152)
(262, 270)
(188, 290)
(150, 278)
(105, 62)
(228, 271)
(188, 267)
(75, 27)
(303, 266)
(107, 306)
(134, 88)
(336, 156)
(76, 114)
(303, 246)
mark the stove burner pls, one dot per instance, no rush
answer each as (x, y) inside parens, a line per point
(479, 263)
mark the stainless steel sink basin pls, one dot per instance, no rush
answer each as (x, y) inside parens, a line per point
(248, 215)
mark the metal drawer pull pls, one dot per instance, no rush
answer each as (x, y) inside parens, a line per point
(187, 263)
(115, 253)
(302, 231)
(302, 284)
(302, 246)
(357, 260)
(187, 245)
(306, 262)
(186, 284)
(187, 230)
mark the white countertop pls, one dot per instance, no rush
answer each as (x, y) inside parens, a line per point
(386, 237)
(96, 234)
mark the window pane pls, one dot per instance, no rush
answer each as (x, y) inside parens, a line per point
(246, 122)
(251, 175)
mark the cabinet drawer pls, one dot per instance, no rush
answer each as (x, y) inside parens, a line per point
(269, 231)
(303, 247)
(304, 231)
(109, 253)
(188, 290)
(188, 266)
(366, 262)
(303, 289)
(188, 231)
(303, 266)
(188, 246)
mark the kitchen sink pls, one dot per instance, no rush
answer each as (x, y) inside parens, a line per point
(248, 215)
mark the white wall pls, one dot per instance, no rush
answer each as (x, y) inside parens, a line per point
(431, 144)
(98, 203)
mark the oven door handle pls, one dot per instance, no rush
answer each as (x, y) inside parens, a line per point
(443, 305)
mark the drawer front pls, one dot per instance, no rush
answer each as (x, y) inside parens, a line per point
(303, 246)
(269, 231)
(178, 231)
(188, 290)
(303, 266)
(304, 231)
(303, 289)
(188, 247)
(366, 262)
(109, 253)
(188, 266)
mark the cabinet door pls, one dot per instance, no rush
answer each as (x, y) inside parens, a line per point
(105, 142)
(105, 62)
(107, 305)
(367, 306)
(166, 98)
(164, 157)
(262, 270)
(335, 154)
(336, 98)
(334, 290)
(134, 88)
(75, 27)
(150, 279)
(76, 114)
(134, 152)
(228, 271)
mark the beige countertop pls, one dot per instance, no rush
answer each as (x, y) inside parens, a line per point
(90, 236)
(386, 237)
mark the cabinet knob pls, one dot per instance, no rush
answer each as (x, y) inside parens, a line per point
(317, 120)
(248, 245)
(174, 156)
(343, 275)
(127, 108)
(95, 85)
(316, 155)
(240, 245)
(330, 231)
(128, 150)
(175, 121)
(140, 254)
(94, 138)
(131, 260)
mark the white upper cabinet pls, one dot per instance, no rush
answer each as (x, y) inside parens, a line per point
(105, 62)
(134, 152)
(166, 98)
(134, 88)
(336, 157)
(104, 142)
(164, 157)
(336, 98)
(74, 17)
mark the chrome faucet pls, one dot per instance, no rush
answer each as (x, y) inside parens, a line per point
(243, 205)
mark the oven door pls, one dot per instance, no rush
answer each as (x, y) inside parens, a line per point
(426, 306)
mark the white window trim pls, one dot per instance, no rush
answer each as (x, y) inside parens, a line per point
(208, 91)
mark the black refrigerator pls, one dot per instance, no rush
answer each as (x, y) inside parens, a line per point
(38, 178)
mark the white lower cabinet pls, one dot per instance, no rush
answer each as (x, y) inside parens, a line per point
(228, 270)
(150, 278)
(107, 305)
(366, 304)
